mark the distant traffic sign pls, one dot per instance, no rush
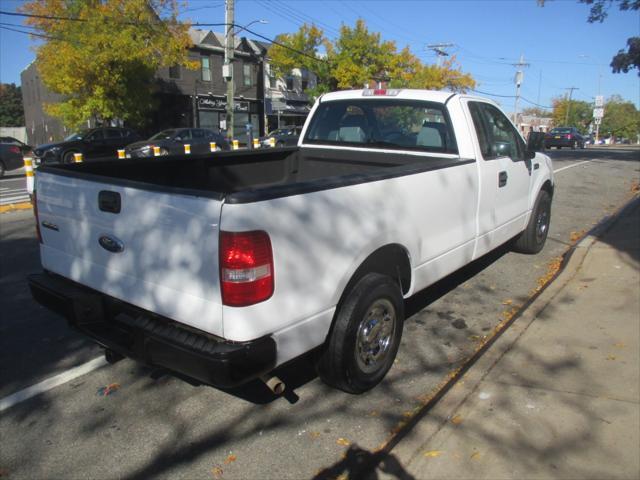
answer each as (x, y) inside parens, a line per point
(598, 112)
(599, 100)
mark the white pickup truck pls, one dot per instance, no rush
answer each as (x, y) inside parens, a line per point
(224, 267)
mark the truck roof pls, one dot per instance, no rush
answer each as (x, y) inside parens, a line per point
(404, 93)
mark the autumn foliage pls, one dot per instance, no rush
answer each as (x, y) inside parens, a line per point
(101, 56)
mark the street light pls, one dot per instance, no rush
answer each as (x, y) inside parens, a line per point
(227, 69)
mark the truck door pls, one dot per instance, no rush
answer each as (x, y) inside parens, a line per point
(505, 177)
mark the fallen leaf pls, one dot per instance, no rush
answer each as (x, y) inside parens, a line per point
(408, 414)
(230, 459)
(314, 434)
(457, 420)
(620, 345)
(108, 389)
(475, 456)
(343, 441)
(611, 357)
(507, 302)
(217, 471)
(374, 413)
(433, 453)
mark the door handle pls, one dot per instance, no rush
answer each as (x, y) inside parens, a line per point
(502, 179)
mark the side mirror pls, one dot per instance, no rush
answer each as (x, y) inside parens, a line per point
(535, 142)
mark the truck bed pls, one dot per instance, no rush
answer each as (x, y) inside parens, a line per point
(248, 176)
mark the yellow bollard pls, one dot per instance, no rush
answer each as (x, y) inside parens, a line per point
(235, 144)
(156, 151)
(212, 146)
(272, 142)
(77, 157)
(187, 149)
(28, 171)
(256, 143)
(121, 154)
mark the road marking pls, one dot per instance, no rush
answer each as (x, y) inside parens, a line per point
(49, 383)
(571, 166)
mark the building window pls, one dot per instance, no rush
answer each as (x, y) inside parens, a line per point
(246, 75)
(289, 83)
(174, 72)
(305, 84)
(205, 68)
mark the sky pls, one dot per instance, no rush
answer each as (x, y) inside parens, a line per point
(562, 49)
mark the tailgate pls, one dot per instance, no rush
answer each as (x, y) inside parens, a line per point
(158, 251)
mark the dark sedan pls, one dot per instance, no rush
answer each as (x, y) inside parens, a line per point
(173, 141)
(282, 137)
(11, 152)
(94, 144)
(564, 137)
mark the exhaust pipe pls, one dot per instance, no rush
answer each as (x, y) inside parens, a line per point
(274, 384)
(111, 356)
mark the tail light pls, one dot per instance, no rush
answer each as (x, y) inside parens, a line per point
(569, 136)
(34, 202)
(14, 149)
(246, 268)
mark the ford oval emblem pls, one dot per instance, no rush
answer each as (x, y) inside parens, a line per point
(111, 244)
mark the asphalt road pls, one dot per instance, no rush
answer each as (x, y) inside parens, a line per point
(155, 425)
(13, 187)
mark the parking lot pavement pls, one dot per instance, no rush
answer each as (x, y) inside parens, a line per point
(130, 421)
(13, 188)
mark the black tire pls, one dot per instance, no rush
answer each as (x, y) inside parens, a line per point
(533, 238)
(2, 169)
(351, 360)
(68, 157)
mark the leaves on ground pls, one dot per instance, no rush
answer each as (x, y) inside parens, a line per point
(475, 456)
(611, 357)
(217, 471)
(230, 459)
(343, 441)
(456, 420)
(108, 389)
(433, 453)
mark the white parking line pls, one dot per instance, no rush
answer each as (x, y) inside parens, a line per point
(49, 383)
(570, 166)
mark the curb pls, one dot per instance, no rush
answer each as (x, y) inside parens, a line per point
(406, 445)
(13, 207)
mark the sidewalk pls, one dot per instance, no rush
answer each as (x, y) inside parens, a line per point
(557, 396)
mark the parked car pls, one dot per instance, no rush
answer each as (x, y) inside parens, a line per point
(564, 137)
(94, 144)
(172, 142)
(283, 137)
(11, 154)
(224, 270)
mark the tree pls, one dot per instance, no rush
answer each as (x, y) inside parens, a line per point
(11, 111)
(621, 118)
(101, 56)
(536, 112)
(358, 57)
(580, 113)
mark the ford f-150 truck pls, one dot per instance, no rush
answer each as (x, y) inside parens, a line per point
(222, 268)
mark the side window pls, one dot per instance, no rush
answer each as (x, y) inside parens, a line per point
(504, 139)
(112, 133)
(481, 131)
(184, 135)
(197, 133)
(95, 135)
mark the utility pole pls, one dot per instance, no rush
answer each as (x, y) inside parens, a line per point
(227, 69)
(439, 49)
(569, 95)
(518, 81)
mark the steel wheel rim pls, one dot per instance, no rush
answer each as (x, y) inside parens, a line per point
(542, 224)
(375, 335)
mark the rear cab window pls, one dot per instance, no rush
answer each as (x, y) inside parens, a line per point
(395, 124)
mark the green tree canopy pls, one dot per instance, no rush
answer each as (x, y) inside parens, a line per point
(102, 59)
(579, 113)
(621, 119)
(11, 111)
(358, 57)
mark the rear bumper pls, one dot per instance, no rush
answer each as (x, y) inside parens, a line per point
(153, 340)
(560, 142)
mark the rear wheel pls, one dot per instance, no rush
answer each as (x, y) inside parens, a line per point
(533, 238)
(365, 337)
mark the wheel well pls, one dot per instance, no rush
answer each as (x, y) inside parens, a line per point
(547, 187)
(391, 260)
